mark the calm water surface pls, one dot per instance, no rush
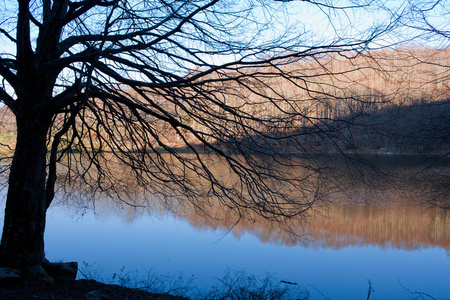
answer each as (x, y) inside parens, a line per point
(170, 245)
(393, 235)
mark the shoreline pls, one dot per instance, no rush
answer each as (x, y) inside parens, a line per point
(78, 289)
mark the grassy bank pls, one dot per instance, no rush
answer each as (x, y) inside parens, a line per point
(237, 286)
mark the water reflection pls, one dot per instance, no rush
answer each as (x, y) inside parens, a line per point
(403, 205)
(390, 227)
(399, 225)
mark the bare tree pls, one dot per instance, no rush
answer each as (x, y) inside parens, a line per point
(103, 88)
(428, 19)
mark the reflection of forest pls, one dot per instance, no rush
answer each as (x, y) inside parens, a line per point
(403, 204)
(405, 208)
(335, 226)
(398, 226)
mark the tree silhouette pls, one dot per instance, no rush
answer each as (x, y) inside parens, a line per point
(117, 90)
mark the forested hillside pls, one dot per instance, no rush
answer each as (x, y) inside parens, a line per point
(387, 101)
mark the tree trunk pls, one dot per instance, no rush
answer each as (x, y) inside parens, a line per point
(22, 243)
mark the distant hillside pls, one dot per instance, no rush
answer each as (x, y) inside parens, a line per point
(7, 130)
(387, 101)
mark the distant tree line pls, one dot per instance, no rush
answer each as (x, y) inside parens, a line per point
(387, 101)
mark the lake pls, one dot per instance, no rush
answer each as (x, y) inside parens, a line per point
(394, 233)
